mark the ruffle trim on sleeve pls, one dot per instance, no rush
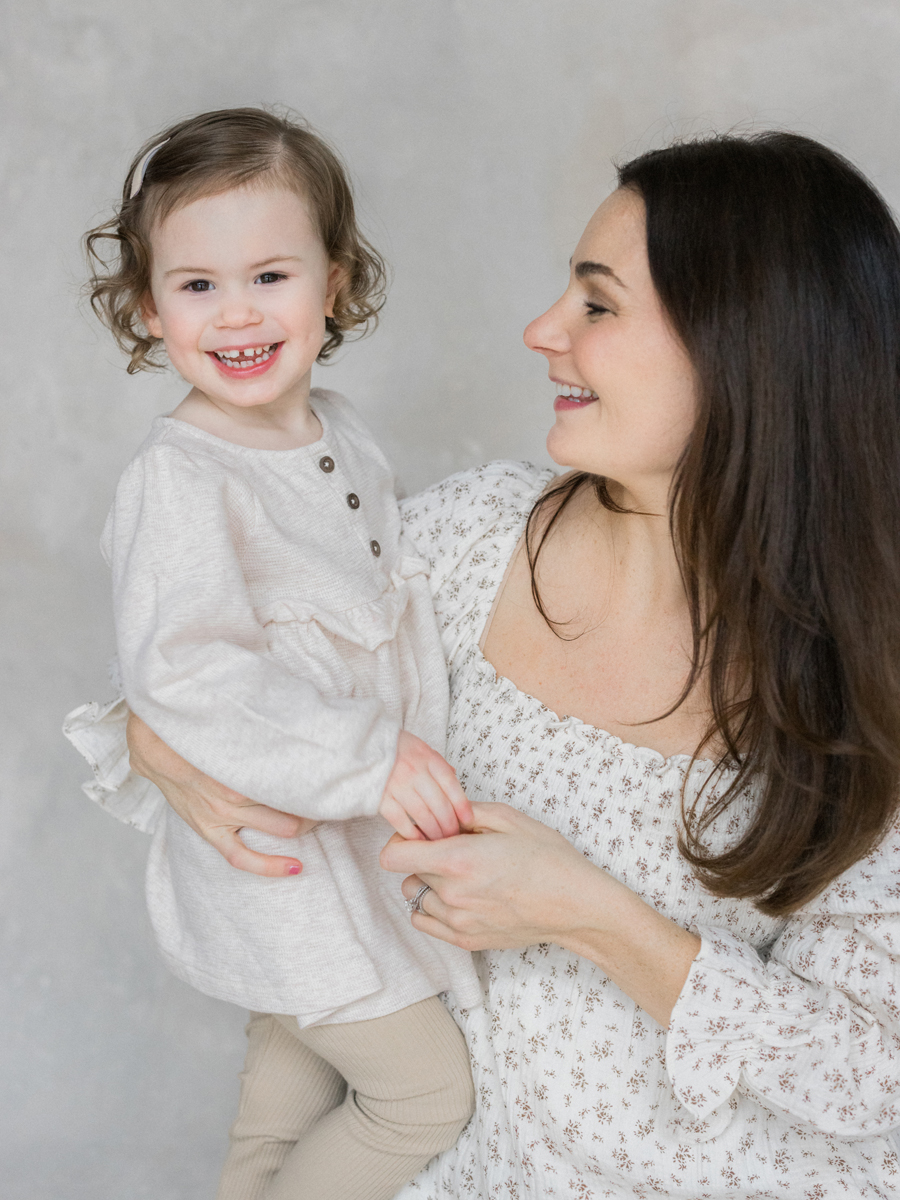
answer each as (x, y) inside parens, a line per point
(97, 731)
(368, 625)
(731, 1013)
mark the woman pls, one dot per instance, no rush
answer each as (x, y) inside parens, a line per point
(685, 707)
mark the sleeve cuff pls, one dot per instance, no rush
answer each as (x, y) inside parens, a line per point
(716, 1028)
(97, 731)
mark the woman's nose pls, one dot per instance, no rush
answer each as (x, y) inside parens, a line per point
(546, 334)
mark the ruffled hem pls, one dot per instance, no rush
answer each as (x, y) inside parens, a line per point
(97, 731)
(368, 625)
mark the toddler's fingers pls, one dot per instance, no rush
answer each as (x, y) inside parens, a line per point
(418, 812)
(395, 814)
(445, 776)
(431, 809)
(464, 813)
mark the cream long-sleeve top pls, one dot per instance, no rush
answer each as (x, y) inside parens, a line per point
(275, 629)
(779, 1077)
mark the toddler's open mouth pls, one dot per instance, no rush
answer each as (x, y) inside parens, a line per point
(246, 358)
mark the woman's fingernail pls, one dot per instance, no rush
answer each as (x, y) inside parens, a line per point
(294, 869)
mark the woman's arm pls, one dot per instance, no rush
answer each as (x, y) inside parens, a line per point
(214, 811)
(516, 883)
(812, 1032)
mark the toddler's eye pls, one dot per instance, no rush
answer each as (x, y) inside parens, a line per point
(198, 285)
(270, 277)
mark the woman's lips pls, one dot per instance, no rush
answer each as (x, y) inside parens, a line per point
(250, 372)
(562, 403)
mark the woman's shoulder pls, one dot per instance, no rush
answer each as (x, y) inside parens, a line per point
(467, 528)
(446, 519)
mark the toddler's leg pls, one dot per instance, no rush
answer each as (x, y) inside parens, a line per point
(409, 1096)
(285, 1089)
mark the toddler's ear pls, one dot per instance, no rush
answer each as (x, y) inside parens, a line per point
(337, 277)
(150, 317)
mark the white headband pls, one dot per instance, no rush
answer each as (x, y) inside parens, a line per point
(137, 179)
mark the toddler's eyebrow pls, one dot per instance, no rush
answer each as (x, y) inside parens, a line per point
(584, 270)
(278, 258)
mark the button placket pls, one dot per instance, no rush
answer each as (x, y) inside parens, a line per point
(327, 464)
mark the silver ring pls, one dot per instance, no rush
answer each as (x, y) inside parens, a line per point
(415, 905)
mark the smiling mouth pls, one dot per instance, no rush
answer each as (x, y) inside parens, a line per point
(250, 356)
(578, 394)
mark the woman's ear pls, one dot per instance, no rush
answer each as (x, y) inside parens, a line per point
(150, 316)
(337, 277)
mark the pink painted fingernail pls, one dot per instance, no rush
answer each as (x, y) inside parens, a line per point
(294, 870)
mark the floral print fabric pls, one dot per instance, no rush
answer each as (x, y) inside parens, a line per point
(780, 1074)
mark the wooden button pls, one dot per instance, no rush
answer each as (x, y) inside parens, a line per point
(353, 500)
(327, 464)
(376, 549)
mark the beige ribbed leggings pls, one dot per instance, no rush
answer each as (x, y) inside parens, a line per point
(346, 1112)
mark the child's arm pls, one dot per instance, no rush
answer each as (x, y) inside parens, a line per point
(423, 798)
(194, 658)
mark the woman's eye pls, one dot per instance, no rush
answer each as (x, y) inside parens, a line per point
(198, 285)
(270, 277)
(595, 310)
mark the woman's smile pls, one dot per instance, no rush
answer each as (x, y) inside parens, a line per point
(609, 329)
(570, 395)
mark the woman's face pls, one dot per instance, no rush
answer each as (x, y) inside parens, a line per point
(625, 388)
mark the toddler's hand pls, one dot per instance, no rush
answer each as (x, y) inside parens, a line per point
(422, 797)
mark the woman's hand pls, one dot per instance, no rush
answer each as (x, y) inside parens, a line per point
(507, 884)
(211, 809)
(514, 882)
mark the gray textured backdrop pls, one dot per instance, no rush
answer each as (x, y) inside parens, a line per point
(480, 135)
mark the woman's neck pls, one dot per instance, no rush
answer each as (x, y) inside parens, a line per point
(622, 561)
(617, 650)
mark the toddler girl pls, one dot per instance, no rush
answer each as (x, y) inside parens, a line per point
(276, 631)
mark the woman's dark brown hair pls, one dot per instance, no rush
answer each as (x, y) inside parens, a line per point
(778, 265)
(209, 154)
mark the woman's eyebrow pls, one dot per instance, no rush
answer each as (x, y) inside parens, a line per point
(585, 269)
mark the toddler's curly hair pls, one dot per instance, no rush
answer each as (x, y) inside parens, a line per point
(205, 156)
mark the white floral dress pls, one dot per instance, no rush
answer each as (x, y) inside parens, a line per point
(780, 1073)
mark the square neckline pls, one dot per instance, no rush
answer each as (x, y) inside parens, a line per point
(654, 759)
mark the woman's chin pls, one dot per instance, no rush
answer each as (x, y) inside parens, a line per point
(569, 451)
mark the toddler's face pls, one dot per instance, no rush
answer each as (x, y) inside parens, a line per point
(240, 289)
